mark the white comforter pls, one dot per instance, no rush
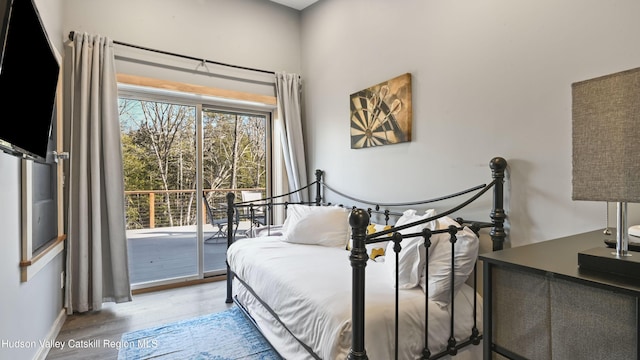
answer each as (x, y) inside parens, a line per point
(308, 287)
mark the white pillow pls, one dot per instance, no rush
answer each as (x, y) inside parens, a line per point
(318, 225)
(296, 211)
(412, 256)
(466, 253)
(293, 214)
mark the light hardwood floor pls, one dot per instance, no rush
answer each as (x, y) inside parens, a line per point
(146, 310)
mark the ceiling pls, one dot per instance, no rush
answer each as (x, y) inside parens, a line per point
(295, 4)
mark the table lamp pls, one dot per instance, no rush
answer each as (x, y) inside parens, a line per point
(606, 157)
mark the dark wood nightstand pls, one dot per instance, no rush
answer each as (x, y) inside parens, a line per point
(538, 304)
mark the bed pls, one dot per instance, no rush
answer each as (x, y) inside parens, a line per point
(337, 282)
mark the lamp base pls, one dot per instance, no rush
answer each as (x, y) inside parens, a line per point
(602, 259)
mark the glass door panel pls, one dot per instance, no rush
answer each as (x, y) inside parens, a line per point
(234, 158)
(160, 168)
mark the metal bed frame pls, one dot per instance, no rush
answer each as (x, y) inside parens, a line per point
(359, 220)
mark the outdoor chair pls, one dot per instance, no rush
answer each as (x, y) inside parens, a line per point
(219, 220)
(255, 209)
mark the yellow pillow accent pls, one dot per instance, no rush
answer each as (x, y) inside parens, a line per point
(372, 229)
(375, 252)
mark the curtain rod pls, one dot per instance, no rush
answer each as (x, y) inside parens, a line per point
(184, 56)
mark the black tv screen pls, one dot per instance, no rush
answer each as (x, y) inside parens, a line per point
(5, 10)
(29, 72)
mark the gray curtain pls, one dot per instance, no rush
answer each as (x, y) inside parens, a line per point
(289, 119)
(97, 269)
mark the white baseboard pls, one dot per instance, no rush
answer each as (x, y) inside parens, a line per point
(52, 335)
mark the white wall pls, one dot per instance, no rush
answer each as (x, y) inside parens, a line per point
(490, 78)
(28, 310)
(250, 33)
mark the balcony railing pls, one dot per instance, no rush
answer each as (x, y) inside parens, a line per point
(148, 209)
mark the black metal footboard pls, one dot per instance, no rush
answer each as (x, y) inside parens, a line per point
(359, 220)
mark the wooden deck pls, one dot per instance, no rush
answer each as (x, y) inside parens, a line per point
(164, 253)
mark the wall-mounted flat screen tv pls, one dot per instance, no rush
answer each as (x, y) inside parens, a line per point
(29, 72)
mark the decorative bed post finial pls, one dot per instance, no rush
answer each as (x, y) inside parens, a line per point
(498, 166)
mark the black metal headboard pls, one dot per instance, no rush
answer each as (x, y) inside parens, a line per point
(497, 215)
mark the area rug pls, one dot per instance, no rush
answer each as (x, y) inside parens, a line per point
(227, 335)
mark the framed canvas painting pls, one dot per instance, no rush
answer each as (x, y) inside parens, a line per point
(381, 114)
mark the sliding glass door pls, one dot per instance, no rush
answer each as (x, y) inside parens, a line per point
(180, 161)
